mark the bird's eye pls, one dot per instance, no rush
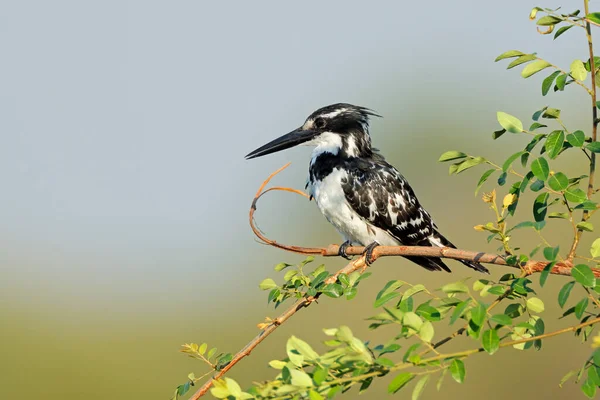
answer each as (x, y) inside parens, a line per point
(320, 123)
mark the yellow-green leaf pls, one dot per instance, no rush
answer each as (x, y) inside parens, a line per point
(578, 70)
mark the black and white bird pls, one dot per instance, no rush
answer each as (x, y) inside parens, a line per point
(366, 199)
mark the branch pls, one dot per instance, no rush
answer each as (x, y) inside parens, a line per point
(355, 265)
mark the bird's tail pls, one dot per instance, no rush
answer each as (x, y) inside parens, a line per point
(438, 240)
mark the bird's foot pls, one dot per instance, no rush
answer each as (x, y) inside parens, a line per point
(342, 250)
(368, 253)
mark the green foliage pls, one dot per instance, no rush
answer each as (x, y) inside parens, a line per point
(415, 315)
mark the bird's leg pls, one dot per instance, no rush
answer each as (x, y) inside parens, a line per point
(342, 250)
(368, 253)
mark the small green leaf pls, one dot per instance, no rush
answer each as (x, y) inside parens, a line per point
(510, 160)
(267, 284)
(455, 287)
(548, 20)
(510, 123)
(595, 249)
(561, 81)
(562, 30)
(535, 305)
(412, 321)
(457, 369)
(540, 207)
(576, 139)
(550, 253)
(312, 395)
(534, 68)
(593, 147)
(508, 54)
(400, 381)
(588, 388)
(575, 195)
(501, 319)
(558, 182)
(584, 275)
(564, 293)
(585, 226)
(554, 143)
(490, 341)
(547, 83)
(451, 155)
(484, 178)
(545, 273)
(478, 314)
(520, 60)
(551, 113)
(594, 17)
(469, 163)
(580, 307)
(426, 332)
(300, 378)
(419, 386)
(578, 70)
(540, 168)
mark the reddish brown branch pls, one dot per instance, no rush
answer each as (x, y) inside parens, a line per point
(358, 264)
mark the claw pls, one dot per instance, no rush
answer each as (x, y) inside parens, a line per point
(342, 250)
(368, 253)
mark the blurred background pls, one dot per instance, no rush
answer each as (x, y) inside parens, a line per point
(125, 193)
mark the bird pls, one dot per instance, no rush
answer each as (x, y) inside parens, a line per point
(364, 197)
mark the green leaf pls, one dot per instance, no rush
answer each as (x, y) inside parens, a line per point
(484, 178)
(584, 275)
(412, 321)
(580, 307)
(510, 160)
(558, 182)
(459, 310)
(576, 139)
(564, 293)
(534, 68)
(545, 273)
(510, 123)
(561, 81)
(478, 314)
(490, 341)
(300, 378)
(562, 30)
(303, 348)
(585, 226)
(412, 291)
(547, 83)
(387, 293)
(588, 388)
(400, 381)
(550, 253)
(455, 287)
(540, 207)
(595, 249)
(575, 195)
(426, 332)
(594, 147)
(548, 20)
(540, 168)
(578, 70)
(420, 385)
(501, 319)
(535, 305)
(554, 143)
(522, 59)
(267, 284)
(551, 113)
(594, 17)
(508, 54)
(451, 155)
(469, 163)
(457, 369)
(537, 125)
(499, 133)
(312, 395)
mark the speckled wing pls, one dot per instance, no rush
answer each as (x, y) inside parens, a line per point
(383, 197)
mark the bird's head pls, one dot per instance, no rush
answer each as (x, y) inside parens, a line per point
(338, 129)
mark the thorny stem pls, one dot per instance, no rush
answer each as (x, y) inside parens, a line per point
(590, 191)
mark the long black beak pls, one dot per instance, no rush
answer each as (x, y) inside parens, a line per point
(291, 139)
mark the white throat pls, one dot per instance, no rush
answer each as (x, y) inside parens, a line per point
(326, 142)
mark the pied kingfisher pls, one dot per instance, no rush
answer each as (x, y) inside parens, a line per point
(366, 199)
